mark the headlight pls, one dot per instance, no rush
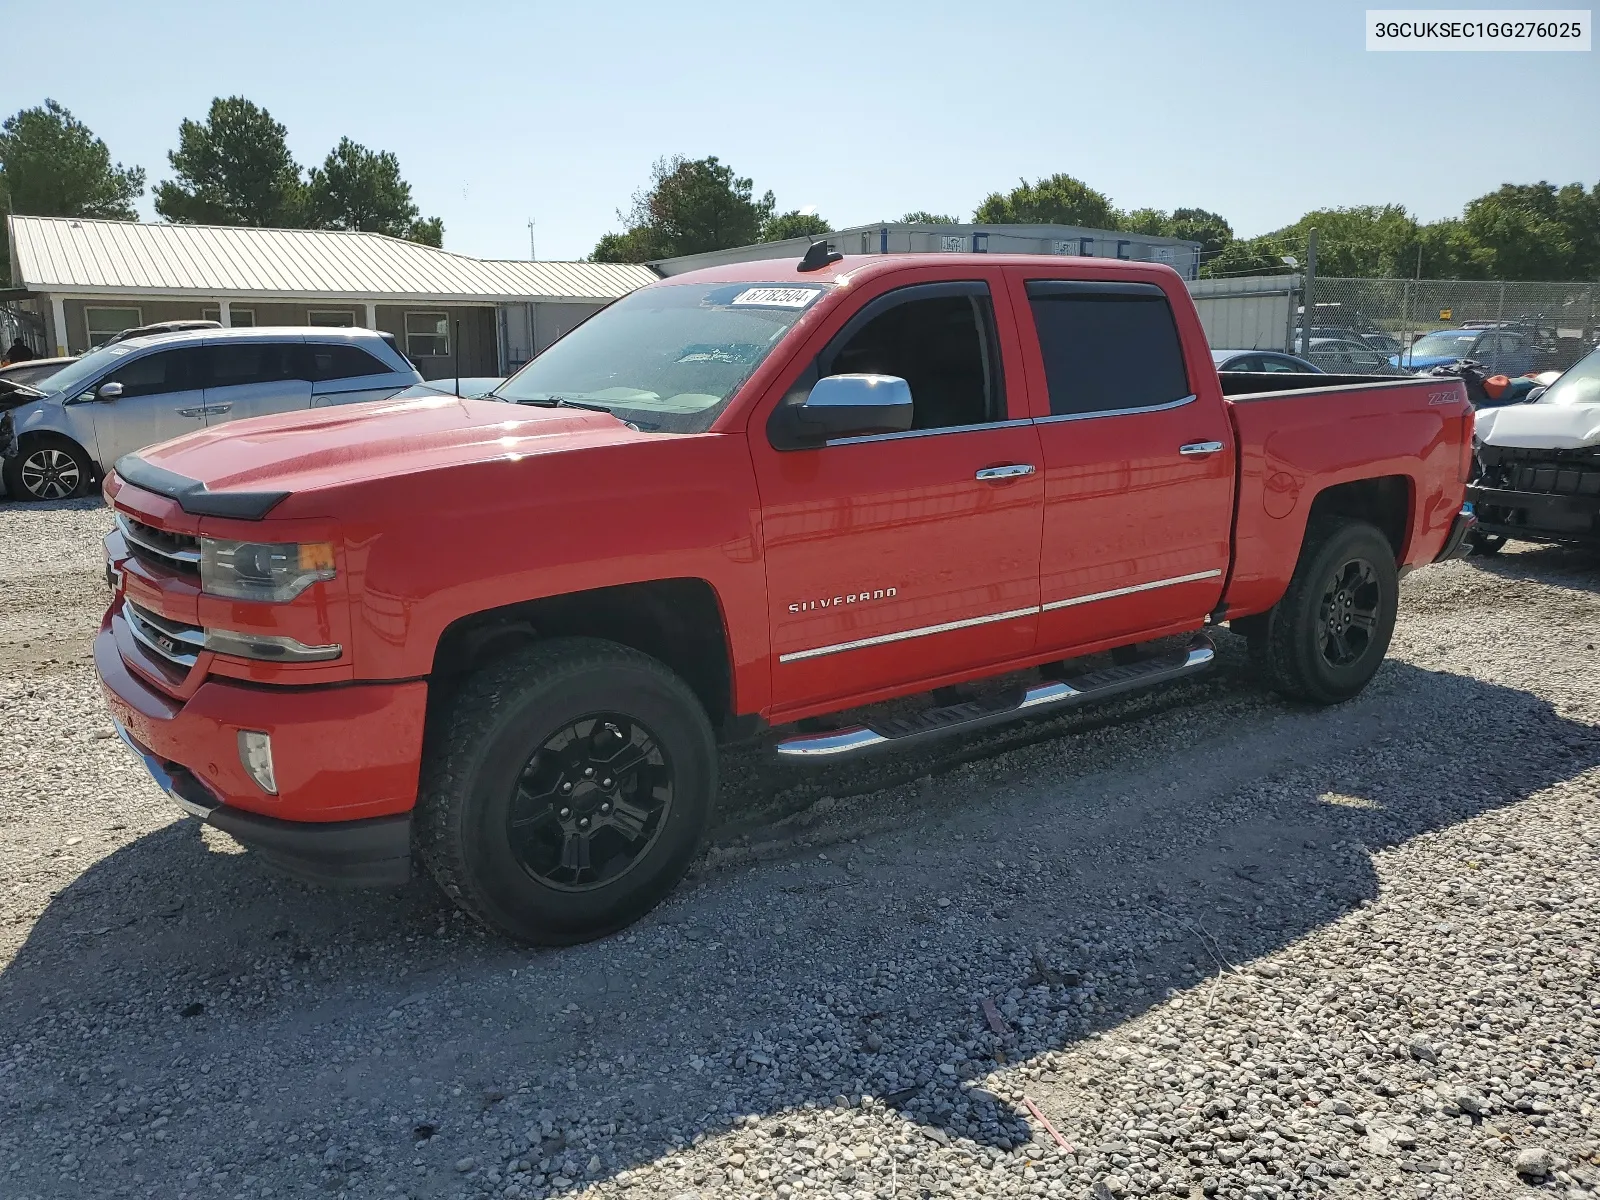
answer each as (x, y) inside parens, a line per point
(273, 571)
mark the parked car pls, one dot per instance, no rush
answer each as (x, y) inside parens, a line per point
(1538, 476)
(32, 371)
(139, 331)
(1372, 337)
(1345, 356)
(124, 396)
(1262, 360)
(736, 499)
(1503, 350)
(471, 388)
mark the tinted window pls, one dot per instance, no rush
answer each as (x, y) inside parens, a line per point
(1244, 362)
(942, 346)
(238, 363)
(340, 362)
(1268, 363)
(163, 371)
(1107, 350)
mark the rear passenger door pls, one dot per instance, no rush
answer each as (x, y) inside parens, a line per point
(254, 379)
(342, 373)
(1138, 504)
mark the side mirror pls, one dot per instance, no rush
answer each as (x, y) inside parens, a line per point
(843, 406)
(1533, 394)
(109, 391)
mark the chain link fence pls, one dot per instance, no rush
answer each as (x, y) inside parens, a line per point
(1373, 326)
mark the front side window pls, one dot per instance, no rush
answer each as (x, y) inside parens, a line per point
(943, 346)
(1107, 347)
(154, 374)
(1579, 384)
(667, 357)
(427, 335)
(103, 322)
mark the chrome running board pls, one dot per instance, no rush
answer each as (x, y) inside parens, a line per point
(1088, 688)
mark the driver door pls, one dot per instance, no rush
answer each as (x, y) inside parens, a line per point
(162, 397)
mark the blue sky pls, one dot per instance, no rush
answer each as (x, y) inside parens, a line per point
(504, 111)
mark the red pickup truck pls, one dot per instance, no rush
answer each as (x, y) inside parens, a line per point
(504, 639)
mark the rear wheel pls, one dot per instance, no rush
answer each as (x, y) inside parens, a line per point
(1326, 638)
(48, 468)
(565, 789)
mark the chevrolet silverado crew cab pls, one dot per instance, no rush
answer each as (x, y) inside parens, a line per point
(504, 639)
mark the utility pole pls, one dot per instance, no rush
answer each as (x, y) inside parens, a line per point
(1311, 279)
(533, 255)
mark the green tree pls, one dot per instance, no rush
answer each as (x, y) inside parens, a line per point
(51, 165)
(1524, 230)
(793, 224)
(921, 217)
(1210, 229)
(1449, 251)
(1058, 200)
(1246, 256)
(691, 205)
(234, 169)
(357, 188)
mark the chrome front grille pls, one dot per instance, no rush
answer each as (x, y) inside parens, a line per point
(171, 641)
(174, 551)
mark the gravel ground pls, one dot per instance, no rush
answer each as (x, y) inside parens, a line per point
(1203, 943)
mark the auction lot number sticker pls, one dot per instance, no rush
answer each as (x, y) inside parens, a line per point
(1479, 29)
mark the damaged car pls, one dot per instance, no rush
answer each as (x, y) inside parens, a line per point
(1538, 470)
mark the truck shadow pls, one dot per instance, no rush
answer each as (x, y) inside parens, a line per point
(1088, 879)
(1564, 566)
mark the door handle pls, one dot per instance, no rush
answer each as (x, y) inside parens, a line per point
(191, 412)
(1013, 471)
(1194, 449)
(216, 408)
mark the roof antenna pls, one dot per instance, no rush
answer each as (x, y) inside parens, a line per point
(817, 256)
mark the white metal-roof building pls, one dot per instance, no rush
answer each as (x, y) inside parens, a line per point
(900, 237)
(91, 278)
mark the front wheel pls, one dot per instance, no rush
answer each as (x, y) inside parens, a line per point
(1326, 638)
(48, 468)
(565, 789)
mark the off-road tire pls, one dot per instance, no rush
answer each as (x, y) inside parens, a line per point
(1286, 642)
(476, 749)
(66, 450)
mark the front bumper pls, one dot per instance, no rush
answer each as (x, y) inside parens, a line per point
(346, 758)
(1540, 516)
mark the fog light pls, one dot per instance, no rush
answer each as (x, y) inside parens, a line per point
(255, 752)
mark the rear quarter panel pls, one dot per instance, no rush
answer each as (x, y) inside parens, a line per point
(1295, 445)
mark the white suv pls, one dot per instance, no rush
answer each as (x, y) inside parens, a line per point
(123, 397)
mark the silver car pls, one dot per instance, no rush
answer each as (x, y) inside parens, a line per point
(129, 395)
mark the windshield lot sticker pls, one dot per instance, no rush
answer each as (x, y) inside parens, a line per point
(734, 352)
(776, 297)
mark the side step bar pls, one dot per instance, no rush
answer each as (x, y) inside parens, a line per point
(1088, 688)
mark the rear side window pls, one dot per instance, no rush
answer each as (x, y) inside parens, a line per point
(238, 363)
(1107, 347)
(340, 362)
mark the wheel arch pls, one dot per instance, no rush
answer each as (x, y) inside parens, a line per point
(680, 622)
(1386, 501)
(30, 439)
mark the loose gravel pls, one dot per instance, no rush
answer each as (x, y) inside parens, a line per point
(1203, 943)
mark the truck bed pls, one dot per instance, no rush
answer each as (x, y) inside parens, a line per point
(1273, 383)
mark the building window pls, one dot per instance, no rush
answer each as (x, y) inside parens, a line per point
(103, 322)
(331, 318)
(238, 318)
(427, 335)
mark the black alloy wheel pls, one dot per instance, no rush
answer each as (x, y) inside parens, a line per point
(590, 802)
(1349, 613)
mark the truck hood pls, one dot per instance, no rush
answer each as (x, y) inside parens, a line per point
(299, 452)
(1540, 426)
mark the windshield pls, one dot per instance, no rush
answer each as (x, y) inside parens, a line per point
(1451, 343)
(665, 357)
(1579, 385)
(90, 367)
